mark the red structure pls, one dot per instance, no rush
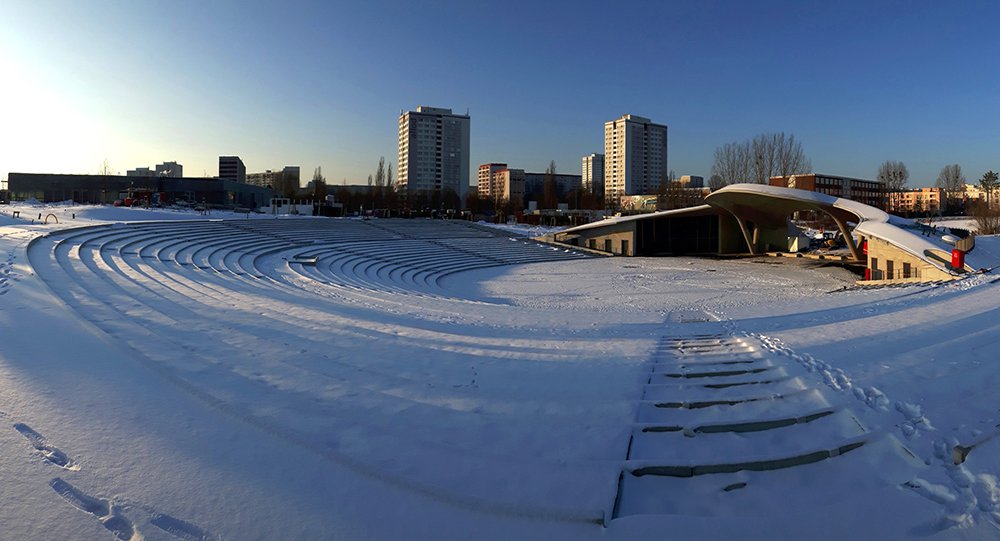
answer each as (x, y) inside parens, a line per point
(957, 259)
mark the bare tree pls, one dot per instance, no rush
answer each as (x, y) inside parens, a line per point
(893, 175)
(378, 194)
(380, 172)
(988, 184)
(791, 159)
(758, 159)
(732, 164)
(951, 181)
(777, 154)
(763, 157)
(715, 182)
(105, 169)
(319, 184)
(987, 218)
(550, 189)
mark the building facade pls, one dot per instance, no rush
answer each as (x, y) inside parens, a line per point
(433, 151)
(170, 169)
(165, 169)
(691, 181)
(593, 174)
(508, 184)
(105, 189)
(635, 157)
(232, 168)
(916, 201)
(262, 179)
(285, 181)
(486, 178)
(498, 182)
(534, 185)
(869, 192)
(972, 194)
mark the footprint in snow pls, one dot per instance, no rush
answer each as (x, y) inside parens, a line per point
(51, 453)
(180, 529)
(107, 514)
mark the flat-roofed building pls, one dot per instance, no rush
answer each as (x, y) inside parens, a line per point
(232, 168)
(635, 157)
(165, 169)
(593, 174)
(916, 201)
(534, 185)
(433, 151)
(262, 179)
(869, 192)
(691, 181)
(509, 185)
(164, 190)
(170, 169)
(485, 178)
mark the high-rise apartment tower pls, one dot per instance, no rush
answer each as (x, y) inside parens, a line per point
(593, 174)
(635, 157)
(433, 151)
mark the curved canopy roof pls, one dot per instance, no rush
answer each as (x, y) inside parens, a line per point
(771, 205)
(787, 200)
(919, 240)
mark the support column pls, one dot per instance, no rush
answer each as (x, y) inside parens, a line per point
(851, 245)
(746, 234)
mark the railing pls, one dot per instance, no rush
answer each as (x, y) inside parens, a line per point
(896, 274)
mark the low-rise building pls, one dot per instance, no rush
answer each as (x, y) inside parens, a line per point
(165, 169)
(916, 201)
(534, 184)
(691, 181)
(108, 188)
(869, 192)
(170, 169)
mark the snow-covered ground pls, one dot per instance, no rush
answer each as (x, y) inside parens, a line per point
(961, 222)
(419, 379)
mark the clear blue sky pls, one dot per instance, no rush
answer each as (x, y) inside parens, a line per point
(283, 83)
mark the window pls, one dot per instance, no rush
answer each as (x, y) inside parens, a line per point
(888, 269)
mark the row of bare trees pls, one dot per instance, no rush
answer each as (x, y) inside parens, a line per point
(758, 159)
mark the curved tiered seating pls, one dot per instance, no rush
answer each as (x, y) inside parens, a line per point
(298, 287)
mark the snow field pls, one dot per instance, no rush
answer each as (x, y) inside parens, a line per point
(155, 302)
(262, 379)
